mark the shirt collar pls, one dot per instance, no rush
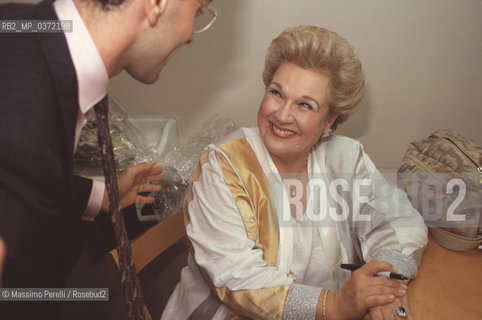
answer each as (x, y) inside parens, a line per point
(92, 76)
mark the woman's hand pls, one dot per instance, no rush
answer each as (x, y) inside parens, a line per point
(387, 312)
(363, 291)
(134, 180)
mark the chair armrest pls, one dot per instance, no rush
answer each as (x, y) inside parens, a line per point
(155, 241)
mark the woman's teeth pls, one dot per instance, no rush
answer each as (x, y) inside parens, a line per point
(281, 132)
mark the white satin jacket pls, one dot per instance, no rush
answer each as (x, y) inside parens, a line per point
(246, 244)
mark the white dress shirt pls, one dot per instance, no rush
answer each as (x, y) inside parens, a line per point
(92, 79)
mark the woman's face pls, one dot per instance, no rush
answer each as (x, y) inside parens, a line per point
(294, 113)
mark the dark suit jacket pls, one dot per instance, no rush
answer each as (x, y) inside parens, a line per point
(41, 202)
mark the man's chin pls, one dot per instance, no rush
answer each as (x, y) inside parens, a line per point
(151, 79)
(151, 76)
(147, 78)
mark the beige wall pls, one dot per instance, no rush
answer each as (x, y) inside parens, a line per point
(422, 59)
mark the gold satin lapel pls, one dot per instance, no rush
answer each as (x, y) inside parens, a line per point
(247, 166)
(240, 197)
(261, 228)
(204, 159)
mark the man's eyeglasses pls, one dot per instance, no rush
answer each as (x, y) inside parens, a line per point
(205, 19)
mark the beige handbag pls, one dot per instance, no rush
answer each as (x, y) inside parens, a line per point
(442, 176)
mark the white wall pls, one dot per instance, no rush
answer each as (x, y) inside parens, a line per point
(422, 59)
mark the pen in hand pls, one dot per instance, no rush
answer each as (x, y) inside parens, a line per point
(391, 275)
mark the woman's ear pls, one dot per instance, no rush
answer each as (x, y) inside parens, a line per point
(333, 117)
(154, 9)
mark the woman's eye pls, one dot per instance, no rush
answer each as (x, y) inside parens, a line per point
(275, 92)
(306, 105)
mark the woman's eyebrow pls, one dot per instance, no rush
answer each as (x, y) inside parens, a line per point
(276, 84)
(312, 99)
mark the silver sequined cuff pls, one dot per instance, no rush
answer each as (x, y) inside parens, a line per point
(404, 264)
(301, 302)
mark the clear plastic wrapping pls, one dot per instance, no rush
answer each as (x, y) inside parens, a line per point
(130, 149)
(127, 140)
(179, 166)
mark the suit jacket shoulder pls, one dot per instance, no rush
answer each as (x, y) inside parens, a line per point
(39, 214)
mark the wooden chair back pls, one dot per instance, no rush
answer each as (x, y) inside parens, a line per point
(152, 243)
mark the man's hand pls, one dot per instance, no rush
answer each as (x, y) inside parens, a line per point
(387, 312)
(134, 180)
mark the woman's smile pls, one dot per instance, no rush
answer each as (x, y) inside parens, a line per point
(281, 132)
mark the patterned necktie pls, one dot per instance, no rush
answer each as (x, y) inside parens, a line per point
(130, 282)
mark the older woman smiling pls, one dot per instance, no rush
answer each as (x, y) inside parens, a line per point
(293, 115)
(263, 245)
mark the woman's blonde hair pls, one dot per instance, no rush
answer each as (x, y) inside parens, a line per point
(323, 51)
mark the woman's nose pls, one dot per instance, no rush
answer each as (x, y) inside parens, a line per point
(285, 113)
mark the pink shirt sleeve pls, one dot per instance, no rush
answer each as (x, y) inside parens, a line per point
(95, 201)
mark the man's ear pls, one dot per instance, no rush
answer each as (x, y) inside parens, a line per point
(154, 9)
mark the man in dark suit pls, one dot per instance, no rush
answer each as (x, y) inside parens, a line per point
(48, 83)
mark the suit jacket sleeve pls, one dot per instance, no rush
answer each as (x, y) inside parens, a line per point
(81, 191)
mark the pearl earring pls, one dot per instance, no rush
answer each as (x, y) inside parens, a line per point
(326, 133)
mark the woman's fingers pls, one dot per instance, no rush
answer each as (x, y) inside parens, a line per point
(367, 317)
(374, 267)
(379, 300)
(365, 290)
(375, 314)
(384, 290)
(382, 285)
